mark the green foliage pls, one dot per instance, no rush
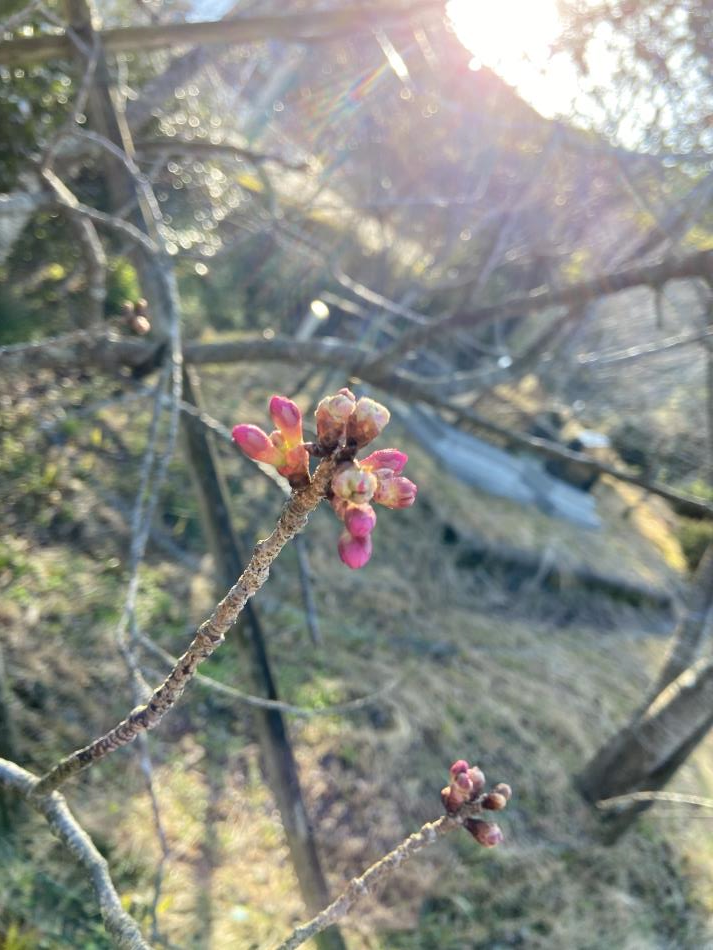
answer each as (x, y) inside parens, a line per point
(122, 284)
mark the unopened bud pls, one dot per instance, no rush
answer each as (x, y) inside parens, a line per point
(142, 307)
(477, 778)
(287, 417)
(359, 520)
(257, 445)
(486, 833)
(395, 492)
(494, 801)
(391, 460)
(459, 766)
(139, 324)
(502, 789)
(354, 552)
(353, 484)
(367, 421)
(332, 414)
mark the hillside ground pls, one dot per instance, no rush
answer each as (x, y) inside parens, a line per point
(510, 680)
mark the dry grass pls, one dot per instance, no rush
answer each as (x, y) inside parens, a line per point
(481, 678)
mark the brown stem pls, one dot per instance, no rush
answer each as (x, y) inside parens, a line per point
(208, 638)
(64, 825)
(364, 885)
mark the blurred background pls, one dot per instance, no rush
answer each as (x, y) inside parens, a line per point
(495, 218)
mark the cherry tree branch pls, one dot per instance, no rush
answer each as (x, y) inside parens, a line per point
(366, 884)
(699, 264)
(208, 638)
(64, 825)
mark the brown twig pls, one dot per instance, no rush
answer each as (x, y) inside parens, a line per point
(208, 638)
(95, 259)
(260, 702)
(64, 825)
(365, 884)
(312, 26)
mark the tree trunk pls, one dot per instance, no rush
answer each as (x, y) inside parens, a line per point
(649, 751)
(278, 759)
(660, 735)
(691, 628)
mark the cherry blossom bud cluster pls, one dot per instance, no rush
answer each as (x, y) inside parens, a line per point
(345, 424)
(466, 787)
(284, 448)
(343, 420)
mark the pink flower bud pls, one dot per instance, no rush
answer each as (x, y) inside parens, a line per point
(332, 414)
(354, 552)
(477, 778)
(257, 445)
(296, 467)
(390, 459)
(494, 801)
(287, 417)
(396, 492)
(502, 789)
(367, 421)
(461, 788)
(459, 766)
(352, 484)
(359, 520)
(486, 833)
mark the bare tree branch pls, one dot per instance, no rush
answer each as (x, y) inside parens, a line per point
(260, 702)
(64, 825)
(699, 264)
(366, 884)
(645, 349)
(209, 637)
(291, 28)
(94, 257)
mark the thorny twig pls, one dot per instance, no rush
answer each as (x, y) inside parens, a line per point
(64, 825)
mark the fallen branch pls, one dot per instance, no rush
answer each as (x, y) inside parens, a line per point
(64, 825)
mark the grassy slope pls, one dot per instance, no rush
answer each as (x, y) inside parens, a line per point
(493, 681)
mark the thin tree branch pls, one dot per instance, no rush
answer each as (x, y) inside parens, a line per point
(699, 264)
(19, 18)
(208, 638)
(366, 884)
(674, 798)
(94, 257)
(178, 146)
(645, 349)
(291, 28)
(353, 359)
(260, 702)
(64, 825)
